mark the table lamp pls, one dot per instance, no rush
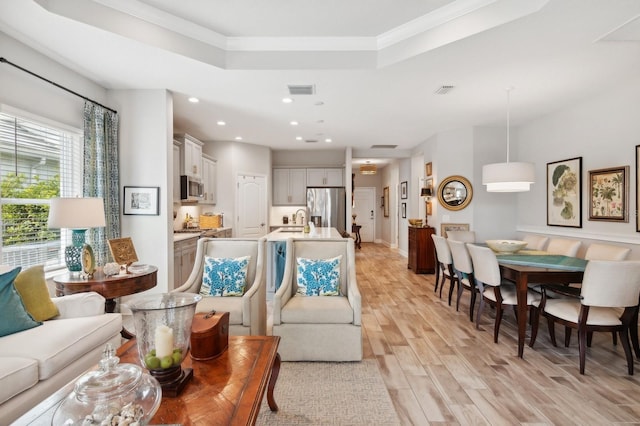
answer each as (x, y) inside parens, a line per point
(77, 214)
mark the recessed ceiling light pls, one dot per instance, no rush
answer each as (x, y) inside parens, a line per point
(298, 138)
(238, 138)
(294, 123)
(328, 140)
(287, 100)
(194, 100)
(221, 123)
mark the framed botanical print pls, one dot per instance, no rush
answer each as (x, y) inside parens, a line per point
(637, 187)
(385, 201)
(403, 209)
(403, 190)
(564, 193)
(428, 169)
(609, 194)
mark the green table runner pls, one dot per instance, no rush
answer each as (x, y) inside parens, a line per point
(551, 261)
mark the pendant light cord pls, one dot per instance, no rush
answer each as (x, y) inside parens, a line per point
(509, 89)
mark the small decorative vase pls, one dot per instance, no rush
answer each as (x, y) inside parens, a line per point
(163, 329)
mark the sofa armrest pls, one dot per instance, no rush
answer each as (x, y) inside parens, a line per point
(79, 305)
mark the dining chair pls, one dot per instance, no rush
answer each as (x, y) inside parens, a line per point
(494, 291)
(464, 236)
(445, 263)
(597, 251)
(535, 242)
(563, 247)
(607, 286)
(463, 267)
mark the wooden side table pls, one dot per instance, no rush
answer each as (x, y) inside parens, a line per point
(109, 287)
(356, 230)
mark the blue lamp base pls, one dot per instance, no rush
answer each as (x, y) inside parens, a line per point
(73, 253)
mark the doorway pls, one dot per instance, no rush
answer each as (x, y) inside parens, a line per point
(251, 211)
(365, 208)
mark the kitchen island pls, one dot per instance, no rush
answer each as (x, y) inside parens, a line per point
(276, 244)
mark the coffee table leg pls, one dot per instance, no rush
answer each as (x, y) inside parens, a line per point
(275, 370)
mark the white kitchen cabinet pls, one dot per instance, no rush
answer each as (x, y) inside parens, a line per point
(176, 172)
(190, 156)
(289, 187)
(184, 257)
(325, 177)
(209, 167)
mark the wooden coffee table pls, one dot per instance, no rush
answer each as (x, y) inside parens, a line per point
(227, 390)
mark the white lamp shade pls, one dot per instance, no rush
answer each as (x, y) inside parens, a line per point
(508, 177)
(76, 213)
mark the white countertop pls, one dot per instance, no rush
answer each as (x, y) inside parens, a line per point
(283, 233)
(181, 236)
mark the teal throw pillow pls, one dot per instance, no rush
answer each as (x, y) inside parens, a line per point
(319, 277)
(224, 276)
(13, 315)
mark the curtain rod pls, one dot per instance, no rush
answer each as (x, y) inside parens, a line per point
(3, 60)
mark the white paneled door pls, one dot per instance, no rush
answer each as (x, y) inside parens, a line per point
(251, 217)
(364, 200)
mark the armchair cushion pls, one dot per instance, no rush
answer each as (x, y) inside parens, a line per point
(13, 315)
(318, 277)
(233, 305)
(317, 310)
(224, 276)
(32, 287)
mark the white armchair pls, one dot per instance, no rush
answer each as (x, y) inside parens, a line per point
(247, 313)
(319, 328)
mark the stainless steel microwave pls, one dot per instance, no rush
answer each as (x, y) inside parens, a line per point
(191, 189)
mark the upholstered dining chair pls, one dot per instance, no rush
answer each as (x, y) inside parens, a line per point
(464, 236)
(248, 309)
(445, 264)
(535, 242)
(598, 251)
(607, 286)
(563, 247)
(463, 268)
(317, 310)
(490, 285)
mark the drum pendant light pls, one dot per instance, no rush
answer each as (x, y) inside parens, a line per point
(508, 177)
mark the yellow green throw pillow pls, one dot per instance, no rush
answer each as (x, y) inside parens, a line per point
(32, 288)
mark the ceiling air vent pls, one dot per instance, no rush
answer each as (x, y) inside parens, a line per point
(443, 90)
(383, 146)
(311, 140)
(303, 89)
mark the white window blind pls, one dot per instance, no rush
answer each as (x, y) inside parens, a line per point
(38, 160)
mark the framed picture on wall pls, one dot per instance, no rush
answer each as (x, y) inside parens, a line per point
(428, 168)
(637, 187)
(564, 193)
(609, 194)
(141, 200)
(385, 201)
(403, 208)
(403, 190)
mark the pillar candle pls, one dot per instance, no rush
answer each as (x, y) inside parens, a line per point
(164, 341)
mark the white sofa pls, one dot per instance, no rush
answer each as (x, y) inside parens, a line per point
(35, 363)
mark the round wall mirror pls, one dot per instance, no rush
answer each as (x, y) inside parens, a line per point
(455, 193)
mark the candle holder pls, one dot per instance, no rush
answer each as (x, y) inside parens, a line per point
(163, 329)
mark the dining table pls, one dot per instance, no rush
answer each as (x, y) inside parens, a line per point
(535, 267)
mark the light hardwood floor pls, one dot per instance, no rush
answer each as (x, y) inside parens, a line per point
(439, 369)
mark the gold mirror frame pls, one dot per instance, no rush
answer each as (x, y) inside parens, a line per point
(454, 204)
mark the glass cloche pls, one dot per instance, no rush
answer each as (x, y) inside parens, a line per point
(115, 394)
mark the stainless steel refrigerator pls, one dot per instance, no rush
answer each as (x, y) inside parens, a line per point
(327, 207)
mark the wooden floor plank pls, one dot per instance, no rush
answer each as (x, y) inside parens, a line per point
(439, 369)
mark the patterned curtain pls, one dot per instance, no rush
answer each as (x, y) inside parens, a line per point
(101, 174)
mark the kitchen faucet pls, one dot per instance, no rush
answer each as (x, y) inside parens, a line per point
(304, 213)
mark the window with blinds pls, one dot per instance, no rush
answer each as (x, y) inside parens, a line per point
(38, 160)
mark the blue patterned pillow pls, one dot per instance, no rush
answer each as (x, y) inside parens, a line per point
(13, 315)
(224, 276)
(319, 277)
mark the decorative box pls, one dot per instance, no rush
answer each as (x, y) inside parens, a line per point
(209, 335)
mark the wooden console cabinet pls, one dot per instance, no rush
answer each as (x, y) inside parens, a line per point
(422, 259)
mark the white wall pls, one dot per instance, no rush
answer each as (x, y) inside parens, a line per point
(146, 141)
(604, 131)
